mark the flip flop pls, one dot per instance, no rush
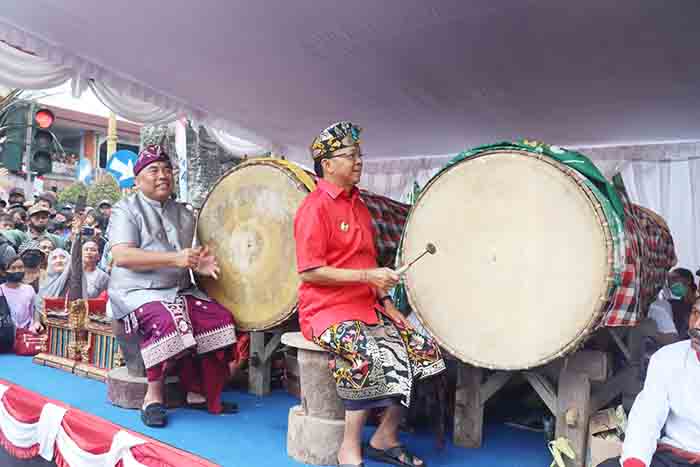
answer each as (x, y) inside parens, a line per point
(393, 456)
(361, 464)
(154, 415)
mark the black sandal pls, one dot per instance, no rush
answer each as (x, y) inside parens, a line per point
(393, 456)
(154, 415)
(226, 407)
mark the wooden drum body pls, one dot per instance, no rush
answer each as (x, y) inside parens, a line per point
(524, 258)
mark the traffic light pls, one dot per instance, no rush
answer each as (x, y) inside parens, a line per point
(14, 124)
(14, 136)
(42, 141)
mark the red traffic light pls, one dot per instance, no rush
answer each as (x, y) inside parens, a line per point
(44, 118)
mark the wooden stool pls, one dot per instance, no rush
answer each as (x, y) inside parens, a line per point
(126, 385)
(315, 429)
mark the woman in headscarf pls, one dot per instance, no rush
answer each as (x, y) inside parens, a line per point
(97, 280)
(56, 281)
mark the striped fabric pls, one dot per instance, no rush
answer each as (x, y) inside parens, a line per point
(388, 219)
(650, 254)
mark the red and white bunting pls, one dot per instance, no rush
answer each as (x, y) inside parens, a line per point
(32, 425)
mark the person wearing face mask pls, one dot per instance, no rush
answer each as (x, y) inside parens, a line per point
(61, 225)
(669, 308)
(684, 291)
(19, 217)
(16, 196)
(20, 297)
(34, 263)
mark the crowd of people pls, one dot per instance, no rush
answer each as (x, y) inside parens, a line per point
(36, 236)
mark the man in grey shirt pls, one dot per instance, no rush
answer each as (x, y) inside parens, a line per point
(151, 239)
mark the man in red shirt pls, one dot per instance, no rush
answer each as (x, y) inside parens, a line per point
(344, 306)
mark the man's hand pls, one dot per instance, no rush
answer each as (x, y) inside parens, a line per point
(208, 266)
(382, 278)
(36, 327)
(188, 258)
(395, 315)
(77, 224)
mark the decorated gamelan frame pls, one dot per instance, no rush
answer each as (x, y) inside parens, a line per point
(80, 338)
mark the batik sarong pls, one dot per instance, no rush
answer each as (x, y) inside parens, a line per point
(169, 329)
(378, 363)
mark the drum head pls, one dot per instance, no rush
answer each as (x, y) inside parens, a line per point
(521, 271)
(248, 221)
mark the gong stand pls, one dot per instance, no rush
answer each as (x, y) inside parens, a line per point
(263, 345)
(584, 385)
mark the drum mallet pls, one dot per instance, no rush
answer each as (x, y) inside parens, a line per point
(429, 248)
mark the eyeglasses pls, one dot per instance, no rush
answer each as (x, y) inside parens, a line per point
(351, 157)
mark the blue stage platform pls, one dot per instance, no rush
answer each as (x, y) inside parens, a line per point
(257, 435)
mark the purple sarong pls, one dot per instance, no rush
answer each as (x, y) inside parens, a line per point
(169, 329)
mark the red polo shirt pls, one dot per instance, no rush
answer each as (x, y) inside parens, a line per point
(332, 228)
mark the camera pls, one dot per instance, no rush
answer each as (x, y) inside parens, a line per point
(87, 231)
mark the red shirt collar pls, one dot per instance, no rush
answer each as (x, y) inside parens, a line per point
(334, 190)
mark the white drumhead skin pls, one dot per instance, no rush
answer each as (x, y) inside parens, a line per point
(521, 262)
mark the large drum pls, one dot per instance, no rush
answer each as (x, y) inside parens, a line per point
(248, 220)
(525, 261)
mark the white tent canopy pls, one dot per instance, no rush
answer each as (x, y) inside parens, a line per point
(420, 77)
(425, 79)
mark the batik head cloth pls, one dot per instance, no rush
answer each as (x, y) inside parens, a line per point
(337, 136)
(150, 155)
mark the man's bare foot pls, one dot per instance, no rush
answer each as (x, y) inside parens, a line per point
(147, 402)
(350, 454)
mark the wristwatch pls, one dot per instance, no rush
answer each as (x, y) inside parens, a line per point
(385, 297)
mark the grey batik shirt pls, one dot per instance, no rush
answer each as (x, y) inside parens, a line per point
(152, 226)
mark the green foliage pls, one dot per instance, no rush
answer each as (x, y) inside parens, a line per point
(104, 187)
(71, 193)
